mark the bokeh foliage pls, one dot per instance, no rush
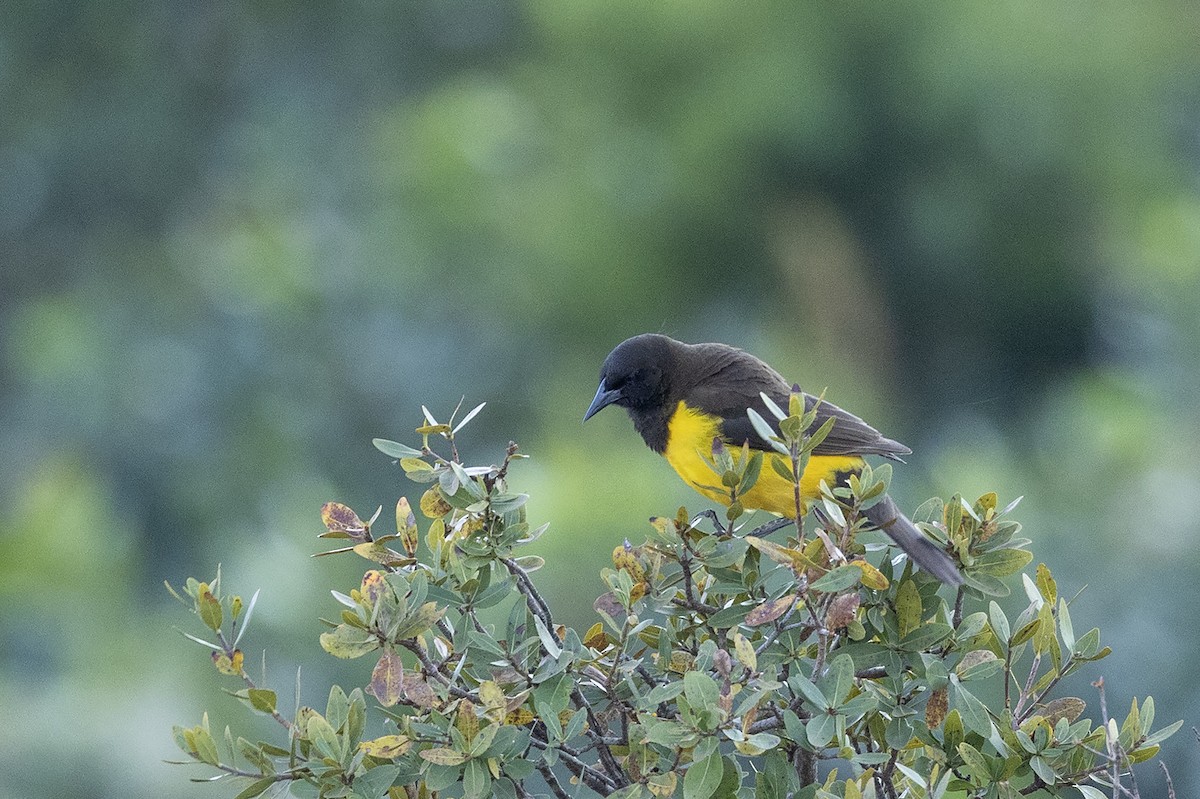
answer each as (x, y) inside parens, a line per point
(236, 236)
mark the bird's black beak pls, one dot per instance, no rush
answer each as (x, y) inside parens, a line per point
(603, 399)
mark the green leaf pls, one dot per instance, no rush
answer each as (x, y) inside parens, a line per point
(1091, 792)
(262, 699)
(477, 782)
(203, 745)
(976, 763)
(974, 714)
(1026, 632)
(663, 693)
(908, 607)
(667, 733)
(1064, 625)
(1044, 638)
(394, 449)
(1045, 583)
(750, 476)
(700, 689)
(986, 584)
(703, 777)
(839, 679)
(803, 686)
(838, 579)
(1163, 734)
(999, 622)
(1043, 769)
(928, 511)
(209, 608)
(257, 788)
(376, 782)
(926, 636)
(507, 503)
(820, 729)
(443, 756)
(348, 642)
(1003, 562)
(323, 737)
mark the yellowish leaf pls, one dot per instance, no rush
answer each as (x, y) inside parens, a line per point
(442, 756)
(386, 747)
(662, 784)
(338, 518)
(745, 651)
(406, 526)
(595, 637)
(433, 504)
(466, 721)
(871, 577)
(908, 607)
(373, 586)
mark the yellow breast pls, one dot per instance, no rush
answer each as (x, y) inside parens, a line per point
(690, 433)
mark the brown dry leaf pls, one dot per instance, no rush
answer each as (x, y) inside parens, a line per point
(1067, 707)
(842, 611)
(935, 708)
(770, 610)
(417, 691)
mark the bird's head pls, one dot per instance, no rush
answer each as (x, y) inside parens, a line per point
(635, 374)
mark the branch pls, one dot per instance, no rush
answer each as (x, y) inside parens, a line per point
(594, 732)
(551, 780)
(592, 778)
(537, 605)
(433, 670)
(691, 603)
(229, 650)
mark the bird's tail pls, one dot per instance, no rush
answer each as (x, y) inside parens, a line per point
(887, 517)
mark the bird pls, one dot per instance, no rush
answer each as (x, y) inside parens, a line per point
(681, 397)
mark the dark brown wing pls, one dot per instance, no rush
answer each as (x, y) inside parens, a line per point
(727, 381)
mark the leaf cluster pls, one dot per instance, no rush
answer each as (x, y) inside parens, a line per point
(726, 661)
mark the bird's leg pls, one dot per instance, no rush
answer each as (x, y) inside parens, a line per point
(765, 529)
(712, 516)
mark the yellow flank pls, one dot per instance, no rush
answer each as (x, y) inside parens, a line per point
(690, 432)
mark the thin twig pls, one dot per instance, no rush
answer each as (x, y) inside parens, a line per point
(1028, 689)
(551, 780)
(430, 668)
(1170, 785)
(610, 764)
(889, 771)
(595, 780)
(533, 599)
(229, 649)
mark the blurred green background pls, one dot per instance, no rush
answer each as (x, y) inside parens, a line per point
(239, 239)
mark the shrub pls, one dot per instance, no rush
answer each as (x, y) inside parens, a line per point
(726, 660)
